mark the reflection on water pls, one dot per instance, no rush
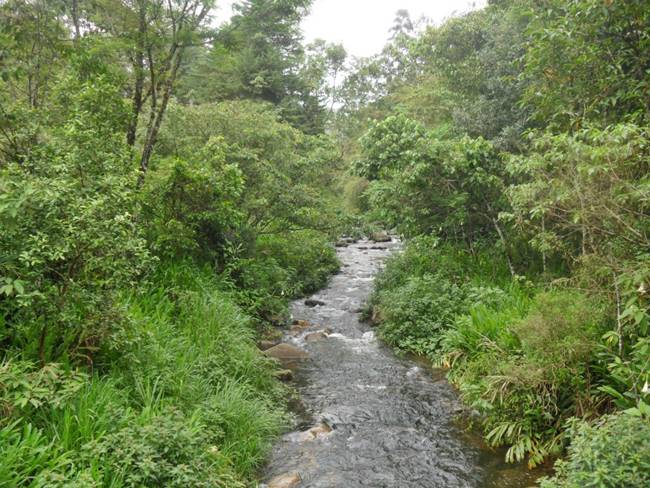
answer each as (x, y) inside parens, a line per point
(376, 420)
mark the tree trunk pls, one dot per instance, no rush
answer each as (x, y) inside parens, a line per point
(157, 118)
(138, 68)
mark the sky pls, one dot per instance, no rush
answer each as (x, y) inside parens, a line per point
(362, 26)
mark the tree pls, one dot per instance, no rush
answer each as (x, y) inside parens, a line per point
(157, 33)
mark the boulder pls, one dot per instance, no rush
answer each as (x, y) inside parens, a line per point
(311, 302)
(286, 352)
(288, 480)
(316, 432)
(380, 237)
(319, 431)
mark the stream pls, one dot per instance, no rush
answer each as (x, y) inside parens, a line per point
(367, 417)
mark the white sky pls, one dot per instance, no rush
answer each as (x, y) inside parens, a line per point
(362, 25)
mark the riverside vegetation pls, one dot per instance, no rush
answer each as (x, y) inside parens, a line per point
(167, 186)
(511, 147)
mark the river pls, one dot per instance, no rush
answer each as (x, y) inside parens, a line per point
(369, 418)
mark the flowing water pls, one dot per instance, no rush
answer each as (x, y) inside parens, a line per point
(369, 418)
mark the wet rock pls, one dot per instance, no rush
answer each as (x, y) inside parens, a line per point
(316, 432)
(378, 248)
(342, 244)
(298, 327)
(278, 320)
(316, 336)
(380, 237)
(320, 430)
(363, 248)
(311, 302)
(264, 345)
(284, 375)
(286, 352)
(288, 480)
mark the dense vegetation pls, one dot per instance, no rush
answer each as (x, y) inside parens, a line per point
(159, 207)
(511, 147)
(167, 186)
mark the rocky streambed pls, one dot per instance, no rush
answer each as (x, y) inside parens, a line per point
(369, 418)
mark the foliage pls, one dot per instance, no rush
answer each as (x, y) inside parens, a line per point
(180, 406)
(424, 185)
(612, 452)
(583, 193)
(587, 60)
(70, 236)
(283, 267)
(284, 186)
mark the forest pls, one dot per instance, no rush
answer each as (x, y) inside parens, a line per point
(168, 185)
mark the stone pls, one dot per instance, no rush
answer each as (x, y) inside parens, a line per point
(316, 336)
(288, 480)
(296, 330)
(376, 318)
(284, 375)
(264, 345)
(286, 352)
(363, 248)
(341, 244)
(311, 302)
(380, 237)
(302, 323)
(320, 430)
(316, 432)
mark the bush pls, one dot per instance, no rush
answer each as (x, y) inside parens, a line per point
(528, 375)
(422, 291)
(168, 450)
(415, 315)
(281, 268)
(307, 255)
(613, 452)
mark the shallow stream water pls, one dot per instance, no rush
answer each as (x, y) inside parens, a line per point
(376, 420)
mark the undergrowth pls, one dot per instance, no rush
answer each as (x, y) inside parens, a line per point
(182, 398)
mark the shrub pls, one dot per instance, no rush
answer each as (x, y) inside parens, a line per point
(415, 315)
(168, 450)
(613, 452)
